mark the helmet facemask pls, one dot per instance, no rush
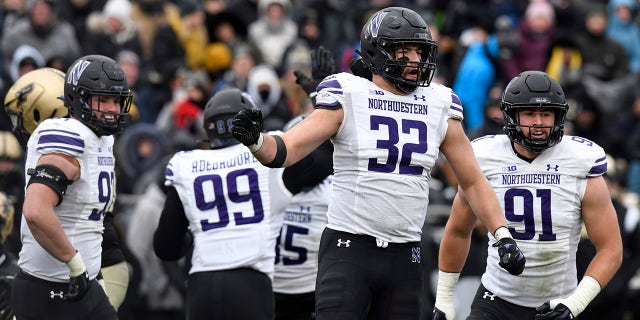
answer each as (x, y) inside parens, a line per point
(97, 76)
(533, 89)
(513, 128)
(393, 65)
(110, 123)
(384, 39)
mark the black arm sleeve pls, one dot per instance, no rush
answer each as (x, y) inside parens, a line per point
(310, 170)
(169, 237)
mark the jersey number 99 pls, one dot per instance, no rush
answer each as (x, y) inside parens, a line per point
(218, 183)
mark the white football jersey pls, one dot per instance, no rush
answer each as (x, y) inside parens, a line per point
(234, 205)
(385, 149)
(83, 205)
(297, 250)
(542, 205)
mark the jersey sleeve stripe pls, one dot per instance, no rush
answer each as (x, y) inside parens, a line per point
(332, 84)
(71, 133)
(74, 151)
(455, 109)
(60, 139)
(329, 91)
(598, 170)
(51, 140)
(168, 175)
(455, 99)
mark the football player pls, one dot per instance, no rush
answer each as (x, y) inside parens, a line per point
(33, 98)
(70, 185)
(297, 246)
(233, 207)
(548, 186)
(387, 133)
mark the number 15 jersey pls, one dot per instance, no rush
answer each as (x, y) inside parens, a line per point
(384, 151)
(541, 200)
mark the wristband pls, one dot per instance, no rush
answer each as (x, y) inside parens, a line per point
(587, 289)
(258, 145)
(502, 232)
(76, 265)
(447, 282)
(281, 154)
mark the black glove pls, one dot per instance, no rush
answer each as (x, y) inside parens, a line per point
(78, 287)
(322, 65)
(307, 84)
(438, 315)
(247, 126)
(511, 258)
(560, 312)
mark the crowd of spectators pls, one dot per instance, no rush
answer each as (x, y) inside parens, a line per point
(178, 53)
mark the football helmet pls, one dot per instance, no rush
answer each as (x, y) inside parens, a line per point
(34, 97)
(389, 29)
(96, 75)
(533, 89)
(218, 115)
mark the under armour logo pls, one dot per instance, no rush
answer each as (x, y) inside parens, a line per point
(549, 167)
(488, 294)
(53, 294)
(416, 255)
(346, 243)
(415, 97)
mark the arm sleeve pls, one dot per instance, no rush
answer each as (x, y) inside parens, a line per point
(169, 238)
(311, 170)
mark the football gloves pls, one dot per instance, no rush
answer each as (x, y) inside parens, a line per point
(247, 126)
(322, 65)
(78, 279)
(560, 312)
(511, 258)
(78, 287)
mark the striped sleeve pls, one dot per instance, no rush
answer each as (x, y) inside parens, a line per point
(58, 140)
(330, 93)
(169, 176)
(455, 110)
(598, 168)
